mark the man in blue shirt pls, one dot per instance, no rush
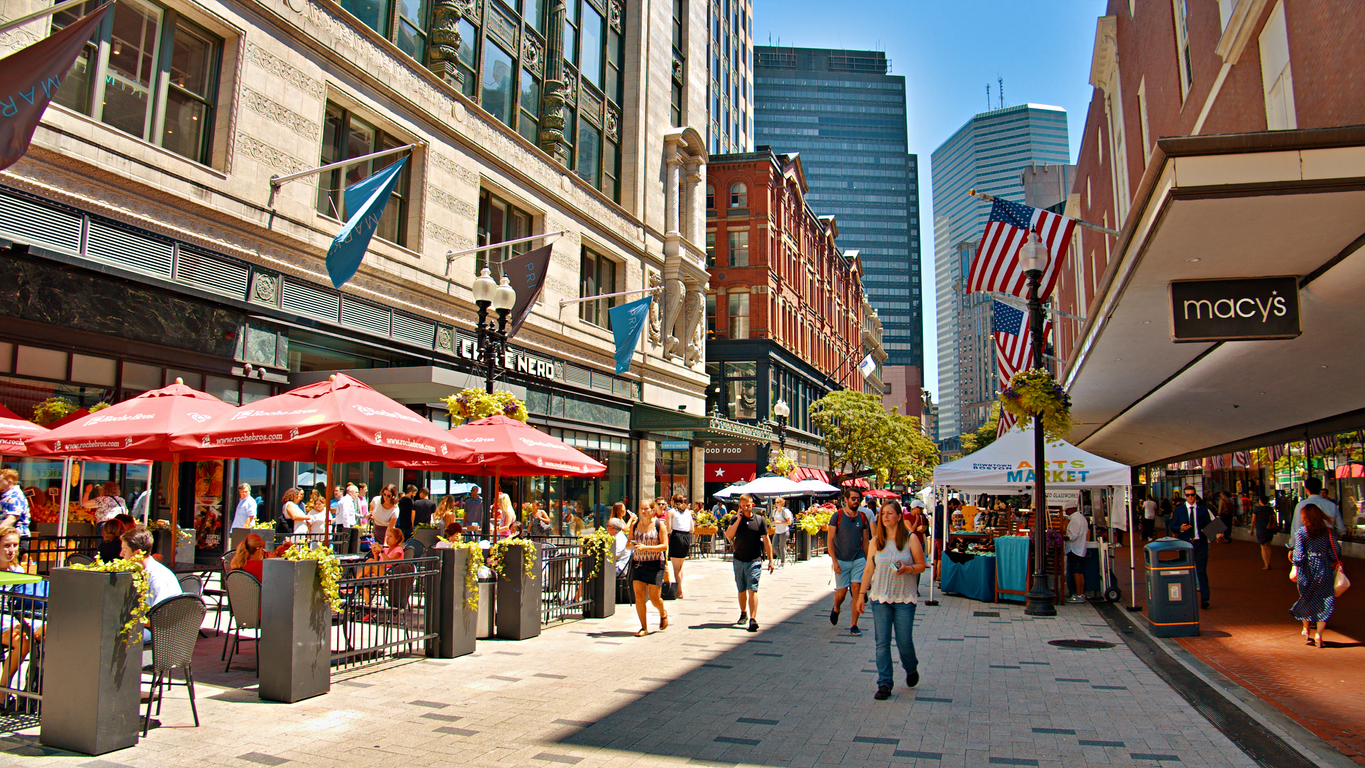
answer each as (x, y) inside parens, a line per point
(13, 503)
(1329, 509)
(1187, 522)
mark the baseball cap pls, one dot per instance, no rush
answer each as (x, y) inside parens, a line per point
(917, 503)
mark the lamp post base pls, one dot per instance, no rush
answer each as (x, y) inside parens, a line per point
(1040, 600)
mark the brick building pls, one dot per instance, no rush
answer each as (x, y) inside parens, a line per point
(786, 314)
(1223, 141)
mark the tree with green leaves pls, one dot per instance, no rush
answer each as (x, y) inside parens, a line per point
(860, 435)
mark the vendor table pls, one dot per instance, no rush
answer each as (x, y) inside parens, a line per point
(969, 575)
(10, 578)
(1011, 567)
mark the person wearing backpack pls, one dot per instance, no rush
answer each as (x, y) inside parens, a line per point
(848, 536)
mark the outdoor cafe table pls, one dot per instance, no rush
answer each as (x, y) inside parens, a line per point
(969, 575)
(10, 578)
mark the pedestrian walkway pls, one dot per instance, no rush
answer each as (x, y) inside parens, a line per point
(1249, 636)
(797, 693)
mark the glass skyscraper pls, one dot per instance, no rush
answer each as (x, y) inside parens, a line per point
(730, 94)
(989, 154)
(845, 115)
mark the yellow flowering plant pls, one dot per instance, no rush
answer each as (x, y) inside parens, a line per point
(1034, 392)
(497, 557)
(781, 464)
(329, 570)
(137, 617)
(601, 547)
(471, 576)
(474, 404)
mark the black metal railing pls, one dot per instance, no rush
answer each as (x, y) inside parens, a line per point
(388, 609)
(563, 578)
(48, 552)
(23, 616)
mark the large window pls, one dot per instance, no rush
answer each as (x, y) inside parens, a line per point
(739, 316)
(345, 135)
(739, 248)
(500, 221)
(149, 72)
(676, 109)
(596, 275)
(402, 21)
(502, 54)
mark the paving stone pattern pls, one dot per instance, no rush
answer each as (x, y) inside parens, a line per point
(705, 692)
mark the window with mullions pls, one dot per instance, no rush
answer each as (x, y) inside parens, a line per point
(596, 276)
(500, 221)
(680, 62)
(402, 21)
(149, 72)
(345, 135)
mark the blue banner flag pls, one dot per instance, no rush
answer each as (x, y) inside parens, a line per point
(348, 249)
(627, 321)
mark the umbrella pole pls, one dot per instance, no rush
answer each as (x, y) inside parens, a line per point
(497, 499)
(929, 556)
(175, 504)
(65, 498)
(331, 450)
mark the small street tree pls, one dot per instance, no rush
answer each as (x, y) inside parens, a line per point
(860, 435)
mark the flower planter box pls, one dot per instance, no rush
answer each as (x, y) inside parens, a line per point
(709, 530)
(426, 536)
(802, 546)
(518, 601)
(458, 626)
(601, 591)
(90, 692)
(295, 650)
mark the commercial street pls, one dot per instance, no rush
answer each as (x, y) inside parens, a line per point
(797, 693)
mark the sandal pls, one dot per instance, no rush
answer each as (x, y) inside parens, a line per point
(663, 622)
(1320, 645)
(642, 633)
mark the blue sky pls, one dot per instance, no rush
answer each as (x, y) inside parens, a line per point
(948, 50)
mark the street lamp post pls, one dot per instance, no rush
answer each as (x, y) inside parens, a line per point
(492, 341)
(782, 411)
(1033, 257)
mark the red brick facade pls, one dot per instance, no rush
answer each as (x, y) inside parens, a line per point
(803, 292)
(1323, 48)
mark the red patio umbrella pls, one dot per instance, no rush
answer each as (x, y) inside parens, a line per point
(138, 429)
(878, 493)
(513, 449)
(14, 431)
(340, 419)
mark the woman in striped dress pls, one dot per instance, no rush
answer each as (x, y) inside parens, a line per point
(647, 544)
(1316, 556)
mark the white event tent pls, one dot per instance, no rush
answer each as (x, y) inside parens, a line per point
(1006, 467)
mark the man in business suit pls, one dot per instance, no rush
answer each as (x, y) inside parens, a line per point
(1187, 522)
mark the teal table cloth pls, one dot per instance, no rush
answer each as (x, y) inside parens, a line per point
(969, 575)
(1012, 566)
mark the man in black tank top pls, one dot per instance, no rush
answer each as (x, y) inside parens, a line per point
(847, 546)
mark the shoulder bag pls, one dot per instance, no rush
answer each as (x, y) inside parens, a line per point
(1342, 583)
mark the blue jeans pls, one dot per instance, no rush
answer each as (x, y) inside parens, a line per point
(901, 616)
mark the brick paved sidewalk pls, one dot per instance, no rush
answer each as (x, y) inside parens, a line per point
(1249, 636)
(798, 693)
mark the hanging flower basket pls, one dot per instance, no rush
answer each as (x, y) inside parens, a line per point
(1033, 392)
(781, 465)
(475, 404)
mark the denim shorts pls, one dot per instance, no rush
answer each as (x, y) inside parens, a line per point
(747, 573)
(849, 572)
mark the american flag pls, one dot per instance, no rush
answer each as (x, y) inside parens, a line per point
(1276, 452)
(1241, 459)
(1013, 342)
(996, 266)
(1007, 422)
(1320, 445)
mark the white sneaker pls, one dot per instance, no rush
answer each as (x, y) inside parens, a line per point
(1076, 599)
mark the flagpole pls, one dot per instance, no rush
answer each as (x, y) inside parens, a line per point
(1086, 224)
(22, 20)
(655, 289)
(277, 180)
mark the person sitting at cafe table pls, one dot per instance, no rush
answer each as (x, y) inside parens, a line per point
(15, 633)
(452, 533)
(250, 555)
(112, 546)
(161, 581)
(107, 504)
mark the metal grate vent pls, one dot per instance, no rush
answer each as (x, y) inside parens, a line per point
(214, 274)
(39, 225)
(365, 317)
(309, 301)
(601, 381)
(577, 375)
(412, 330)
(1084, 645)
(125, 249)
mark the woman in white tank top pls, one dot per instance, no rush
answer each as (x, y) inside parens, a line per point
(895, 560)
(679, 537)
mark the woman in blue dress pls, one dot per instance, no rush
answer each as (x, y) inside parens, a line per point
(1316, 555)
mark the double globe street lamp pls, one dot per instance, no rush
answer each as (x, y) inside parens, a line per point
(493, 341)
(1033, 257)
(782, 411)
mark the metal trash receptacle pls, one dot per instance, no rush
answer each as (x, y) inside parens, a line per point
(486, 611)
(1172, 588)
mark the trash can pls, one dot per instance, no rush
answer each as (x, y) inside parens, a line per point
(1172, 589)
(487, 586)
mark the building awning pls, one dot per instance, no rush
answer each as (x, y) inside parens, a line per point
(411, 385)
(688, 426)
(1281, 203)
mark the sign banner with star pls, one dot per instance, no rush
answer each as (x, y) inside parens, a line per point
(730, 472)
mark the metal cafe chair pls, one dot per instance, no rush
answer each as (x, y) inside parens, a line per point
(244, 604)
(174, 625)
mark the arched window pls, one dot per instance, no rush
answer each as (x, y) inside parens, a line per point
(739, 195)
(710, 198)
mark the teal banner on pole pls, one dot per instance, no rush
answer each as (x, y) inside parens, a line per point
(348, 249)
(627, 321)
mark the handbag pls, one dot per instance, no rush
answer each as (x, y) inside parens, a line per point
(1341, 584)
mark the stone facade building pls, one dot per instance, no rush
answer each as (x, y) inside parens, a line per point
(145, 239)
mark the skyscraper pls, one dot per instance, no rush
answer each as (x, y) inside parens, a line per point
(730, 91)
(989, 154)
(845, 114)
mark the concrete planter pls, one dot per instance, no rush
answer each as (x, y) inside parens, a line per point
(90, 692)
(184, 551)
(802, 546)
(295, 658)
(163, 543)
(601, 590)
(518, 601)
(458, 626)
(427, 536)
